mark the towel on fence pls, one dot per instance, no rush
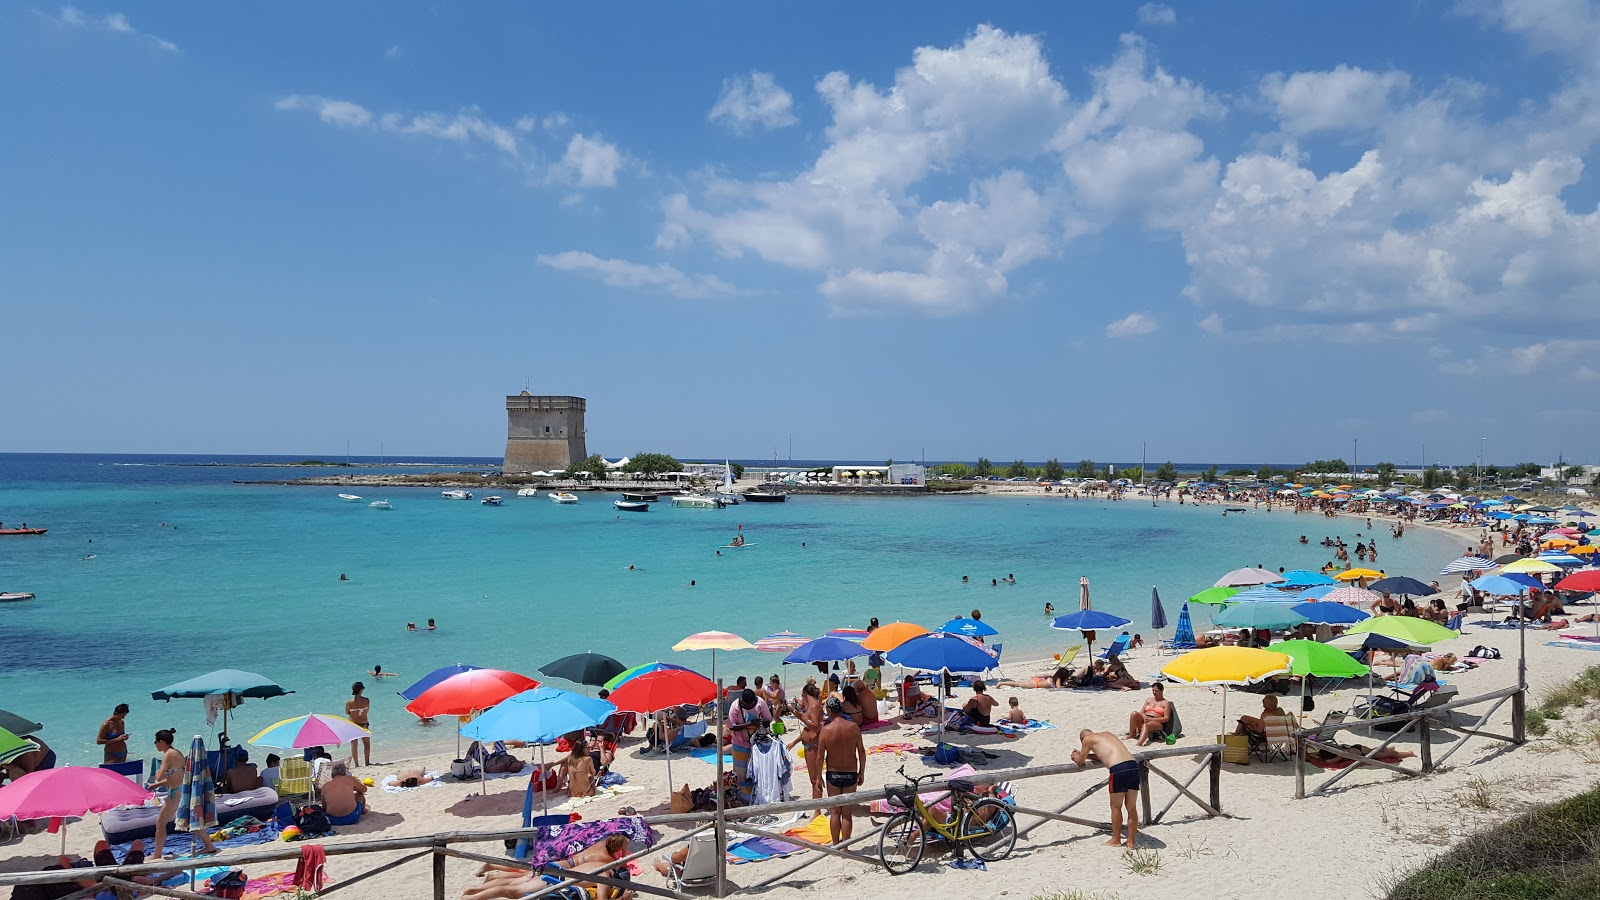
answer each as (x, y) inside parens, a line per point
(391, 784)
(760, 849)
(891, 748)
(311, 873)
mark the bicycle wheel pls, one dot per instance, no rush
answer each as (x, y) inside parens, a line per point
(902, 843)
(989, 827)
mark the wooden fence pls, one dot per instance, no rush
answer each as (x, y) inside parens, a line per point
(438, 848)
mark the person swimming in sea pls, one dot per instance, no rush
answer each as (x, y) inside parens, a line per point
(343, 577)
(378, 672)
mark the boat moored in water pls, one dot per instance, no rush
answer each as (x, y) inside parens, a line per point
(631, 505)
(23, 530)
(697, 501)
(563, 497)
(15, 597)
(492, 500)
(528, 492)
(380, 504)
(764, 496)
(350, 498)
(456, 495)
(641, 496)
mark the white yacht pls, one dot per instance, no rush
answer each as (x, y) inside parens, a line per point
(492, 500)
(380, 504)
(350, 498)
(456, 495)
(528, 492)
(563, 497)
(696, 501)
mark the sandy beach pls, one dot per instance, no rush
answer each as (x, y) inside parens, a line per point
(1375, 825)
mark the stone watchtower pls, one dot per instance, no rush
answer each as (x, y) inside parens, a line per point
(543, 433)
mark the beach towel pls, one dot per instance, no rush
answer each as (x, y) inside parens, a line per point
(391, 784)
(197, 806)
(311, 873)
(892, 748)
(560, 841)
(604, 793)
(1573, 645)
(816, 831)
(185, 844)
(709, 755)
(1011, 728)
(760, 849)
(271, 885)
(879, 725)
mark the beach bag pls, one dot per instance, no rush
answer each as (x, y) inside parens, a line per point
(947, 755)
(313, 820)
(229, 885)
(1235, 748)
(463, 768)
(682, 800)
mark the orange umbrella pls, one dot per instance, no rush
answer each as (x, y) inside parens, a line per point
(887, 637)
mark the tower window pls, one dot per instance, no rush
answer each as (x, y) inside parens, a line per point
(547, 429)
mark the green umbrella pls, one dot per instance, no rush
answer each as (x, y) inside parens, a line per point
(1215, 596)
(12, 746)
(1407, 628)
(1307, 658)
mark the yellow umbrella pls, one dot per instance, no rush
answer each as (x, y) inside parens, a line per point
(1558, 542)
(1357, 575)
(1585, 549)
(1530, 565)
(1225, 666)
(887, 637)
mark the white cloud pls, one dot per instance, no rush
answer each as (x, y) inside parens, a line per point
(463, 127)
(392, 53)
(624, 274)
(1345, 98)
(1131, 326)
(118, 23)
(591, 162)
(1212, 324)
(752, 102)
(1157, 14)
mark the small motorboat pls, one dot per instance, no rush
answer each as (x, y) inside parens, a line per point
(15, 597)
(380, 504)
(730, 498)
(1235, 509)
(350, 498)
(641, 496)
(761, 496)
(528, 492)
(23, 530)
(697, 501)
(456, 495)
(492, 500)
(631, 505)
(563, 497)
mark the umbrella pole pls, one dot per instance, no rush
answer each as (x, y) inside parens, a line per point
(544, 780)
(670, 785)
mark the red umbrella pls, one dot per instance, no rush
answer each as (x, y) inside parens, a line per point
(67, 792)
(1587, 580)
(663, 689)
(469, 692)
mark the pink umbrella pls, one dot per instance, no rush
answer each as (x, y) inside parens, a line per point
(68, 792)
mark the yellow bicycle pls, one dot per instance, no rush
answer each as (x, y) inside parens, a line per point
(984, 825)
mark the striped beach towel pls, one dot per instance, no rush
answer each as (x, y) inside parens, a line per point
(197, 805)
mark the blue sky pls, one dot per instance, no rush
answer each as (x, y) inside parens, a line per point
(1232, 230)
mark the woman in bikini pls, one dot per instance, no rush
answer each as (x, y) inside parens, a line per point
(1061, 677)
(810, 714)
(852, 703)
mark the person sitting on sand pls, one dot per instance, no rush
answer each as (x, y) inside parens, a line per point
(915, 702)
(410, 778)
(1257, 724)
(1150, 721)
(1092, 675)
(344, 796)
(580, 772)
(980, 706)
(512, 883)
(241, 776)
(1119, 678)
(1014, 714)
(868, 701)
(1061, 677)
(269, 775)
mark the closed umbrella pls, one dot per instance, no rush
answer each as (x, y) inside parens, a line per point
(583, 668)
(1158, 615)
(197, 806)
(538, 716)
(664, 689)
(1183, 637)
(67, 792)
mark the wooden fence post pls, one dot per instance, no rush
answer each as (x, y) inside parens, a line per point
(1425, 744)
(438, 872)
(1144, 795)
(1519, 712)
(1300, 768)
(1216, 780)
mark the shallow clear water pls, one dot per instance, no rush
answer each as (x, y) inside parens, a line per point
(194, 573)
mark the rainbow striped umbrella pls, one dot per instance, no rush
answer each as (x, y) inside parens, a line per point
(781, 642)
(314, 730)
(850, 634)
(713, 641)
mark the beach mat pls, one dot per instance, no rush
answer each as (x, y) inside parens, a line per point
(816, 831)
(1573, 645)
(760, 849)
(1031, 725)
(709, 755)
(185, 844)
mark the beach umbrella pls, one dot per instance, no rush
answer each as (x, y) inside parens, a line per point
(1226, 666)
(469, 693)
(627, 675)
(713, 641)
(887, 637)
(197, 807)
(315, 730)
(1317, 592)
(1304, 578)
(1467, 564)
(1183, 636)
(17, 725)
(1523, 578)
(13, 746)
(968, 627)
(850, 634)
(1563, 560)
(1351, 596)
(1499, 585)
(1584, 550)
(583, 668)
(1259, 615)
(943, 652)
(235, 682)
(68, 792)
(1266, 593)
(1406, 628)
(1088, 620)
(539, 716)
(652, 692)
(780, 642)
(1400, 584)
(1158, 615)
(825, 649)
(1309, 659)
(1531, 565)
(1214, 596)
(1247, 577)
(433, 678)
(1507, 558)
(1329, 613)
(1350, 575)
(1587, 580)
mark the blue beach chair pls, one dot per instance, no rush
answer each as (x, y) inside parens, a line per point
(1118, 647)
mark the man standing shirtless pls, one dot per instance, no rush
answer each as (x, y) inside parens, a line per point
(1109, 749)
(844, 765)
(356, 709)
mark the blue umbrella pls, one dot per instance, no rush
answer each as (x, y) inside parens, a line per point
(1524, 578)
(1400, 584)
(1305, 578)
(222, 681)
(1500, 586)
(1183, 638)
(1089, 620)
(1501, 516)
(1267, 593)
(1259, 615)
(942, 652)
(1318, 592)
(433, 678)
(1329, 613)
(967, 627)
(1556, 557)
(825, 649)
(1158, 616)
(539, 716)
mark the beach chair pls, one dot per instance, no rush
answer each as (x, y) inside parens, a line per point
(699, 867)
(294, 777)
(1276, 741)
(1068, 655)
(1118, 647)
(132, 769)
(996, 667)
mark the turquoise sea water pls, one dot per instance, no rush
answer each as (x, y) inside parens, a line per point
(193, 573)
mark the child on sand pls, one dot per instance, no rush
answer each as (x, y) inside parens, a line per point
(1015, 715)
